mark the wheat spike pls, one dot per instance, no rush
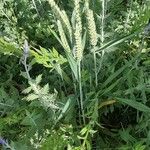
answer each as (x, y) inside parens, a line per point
(62, 16)
(77, 14)
(91, 27)
(78, 46)
(63, 36)
(78, 32)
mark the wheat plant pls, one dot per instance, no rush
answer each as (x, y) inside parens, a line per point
(84, 82)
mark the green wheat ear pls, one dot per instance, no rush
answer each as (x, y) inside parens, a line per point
(63, 37)
(77, 14)
(62, 16)
(91, 27)
(78, 46)
(78, 32)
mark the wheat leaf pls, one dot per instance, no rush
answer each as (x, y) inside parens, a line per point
(137, 105)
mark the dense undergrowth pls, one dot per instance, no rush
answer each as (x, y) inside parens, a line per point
(75, 74)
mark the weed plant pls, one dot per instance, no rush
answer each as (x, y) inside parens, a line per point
(83, 78)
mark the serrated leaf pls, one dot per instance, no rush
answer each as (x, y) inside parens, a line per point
(45, 89)
(38, 79)
(32, 97)
(24, 74)
(9, 48)
(55, 53)
(27, 90)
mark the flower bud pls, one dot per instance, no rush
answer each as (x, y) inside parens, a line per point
(26, 47)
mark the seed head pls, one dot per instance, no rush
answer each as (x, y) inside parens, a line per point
(26, 47)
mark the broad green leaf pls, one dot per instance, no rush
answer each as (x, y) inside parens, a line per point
(114, 75)
(116, 42)
(111, 87)
(106, 103)
(29, 120)
(137, 105)
(73, 65)
(56, 36)
(70, 58)
(65, 108)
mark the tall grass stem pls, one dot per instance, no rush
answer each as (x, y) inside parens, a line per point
(95, 68)
(81, 91)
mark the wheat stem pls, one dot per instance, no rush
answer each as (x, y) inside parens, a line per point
(81, 91)
(104, 5)
(95, 68)
(102, 21)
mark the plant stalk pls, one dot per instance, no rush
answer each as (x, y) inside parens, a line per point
(95, 69)
(26, 68)
(81, 91)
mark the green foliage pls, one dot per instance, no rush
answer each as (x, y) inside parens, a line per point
(46, 99)
(87, 84)
(49, 59)
(9, 48)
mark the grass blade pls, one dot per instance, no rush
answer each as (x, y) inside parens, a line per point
(137, 105)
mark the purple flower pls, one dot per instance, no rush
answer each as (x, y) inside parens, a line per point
(3, 142)
(147, 29)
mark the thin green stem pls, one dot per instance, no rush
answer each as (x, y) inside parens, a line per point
(26, 68)
(81, 91)
(95, 68)
(104, 6)
(75, 91)
(102, 21)
(85, 139)
(34, 4)
(86, 136)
